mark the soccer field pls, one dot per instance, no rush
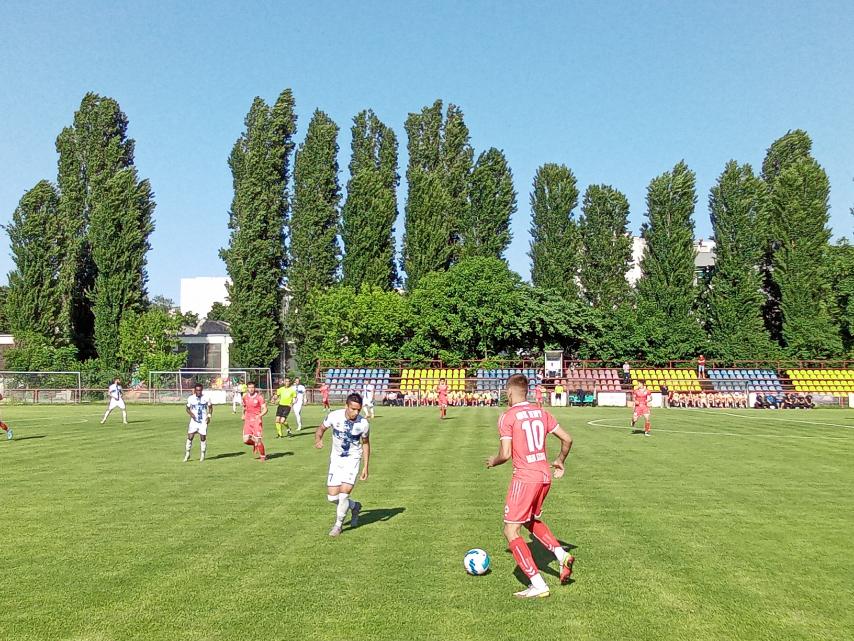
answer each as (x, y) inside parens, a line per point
(733, 525)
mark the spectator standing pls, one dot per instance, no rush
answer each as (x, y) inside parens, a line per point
(701, 366)
(626, 372)
(665, 399)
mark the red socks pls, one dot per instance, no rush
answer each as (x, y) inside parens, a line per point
(260, 449)
(523, 556)
(646, 426)
(544, 535)
(4, 427)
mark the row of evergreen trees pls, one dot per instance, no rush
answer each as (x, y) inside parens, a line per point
(778, 288)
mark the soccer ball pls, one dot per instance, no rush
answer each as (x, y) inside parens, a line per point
(476, 562)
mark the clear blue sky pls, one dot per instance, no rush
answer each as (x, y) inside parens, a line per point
(619, 91)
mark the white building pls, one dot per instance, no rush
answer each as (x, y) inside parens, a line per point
(704, 258)
(198, 294)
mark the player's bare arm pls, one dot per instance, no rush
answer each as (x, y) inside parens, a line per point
(264, 408)
(505, 451)
(190, 413)
(565, 447)
(366, 457)
(318, 436)
(210, 413)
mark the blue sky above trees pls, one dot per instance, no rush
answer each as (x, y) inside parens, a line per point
(619, 93)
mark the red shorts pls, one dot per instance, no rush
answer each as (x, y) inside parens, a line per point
(640, 411)
(252, 427)
(443, 401)
(525, 501)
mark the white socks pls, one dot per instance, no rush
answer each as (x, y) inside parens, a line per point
(538, 582)
(204, 446)
(343, 506)
(188, 446)
(560, 554)
(124, 417)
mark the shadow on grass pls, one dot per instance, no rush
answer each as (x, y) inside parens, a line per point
(226, 455)
(378, 515)
(275, 455)
(25, 438)
(635, 431)
(544, 559)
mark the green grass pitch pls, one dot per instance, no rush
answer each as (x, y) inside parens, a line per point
(722, 525)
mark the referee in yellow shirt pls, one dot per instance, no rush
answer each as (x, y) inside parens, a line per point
(287, 395)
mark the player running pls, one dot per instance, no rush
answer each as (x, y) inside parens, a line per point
(200, 410)
(368, 391)
(115, 391)
(324, 395)
(523, 429)
(9, 434)
(286, 394)
(254, 410)
(299, 401)
(641, 397)
(350, 444)
(442, 393)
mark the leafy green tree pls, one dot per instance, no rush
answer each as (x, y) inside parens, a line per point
(256, 255)
(149, 341)
(314, 221)
(555, 241)
(35, 353)
(606, 247)
(163, 303)
(841, 273)
(92, 151)
(438, 175)
(735, 300)
(667, 295)
(798, 223)
(485, 223)
(4, 301)
(219, 312)
(120, 225)
(369, 213)
(35, 303)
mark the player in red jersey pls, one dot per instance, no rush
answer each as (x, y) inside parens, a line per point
(641, 398)
(324, 395)
(523, 429)
(538, 394)
(442, 392)
(254, 409)
(6, 428)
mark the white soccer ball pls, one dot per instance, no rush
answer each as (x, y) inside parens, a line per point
(476, 562)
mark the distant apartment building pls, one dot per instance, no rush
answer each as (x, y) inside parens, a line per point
(704, 259)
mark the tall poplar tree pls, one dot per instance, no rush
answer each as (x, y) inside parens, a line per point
(554, 232)
(120, 225)
(735, 301)
(369, 213)
(34, 303)
(314, 220)
(438, 176)
(485, 223)
(606, 247)
(256, 254)
(91, 152)
(667, 295)
(798, 219)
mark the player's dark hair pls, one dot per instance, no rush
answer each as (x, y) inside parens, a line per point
(518, 382)
(250, 383)
(198, 385)
(354, 398)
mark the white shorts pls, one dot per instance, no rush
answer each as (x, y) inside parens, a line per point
(114, 403)
(343, 470)
(369, 402)
(297, 408)
(201, 428)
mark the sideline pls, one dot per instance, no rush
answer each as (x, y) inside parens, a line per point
(598, 423)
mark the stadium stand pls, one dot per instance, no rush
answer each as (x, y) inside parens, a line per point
(496, 379)
(677, 380)
(593, 379)
(426, 380)
(833, 382)
(740, 380)
(345, 380)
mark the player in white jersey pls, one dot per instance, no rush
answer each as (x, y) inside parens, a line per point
(200, 411)
(368, 394)
(298, 402)
(350, 445)
(115, 391)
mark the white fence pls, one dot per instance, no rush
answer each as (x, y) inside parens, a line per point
(41, 387)
(175, 386)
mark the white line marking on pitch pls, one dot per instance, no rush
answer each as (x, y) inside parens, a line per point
(598, 423)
